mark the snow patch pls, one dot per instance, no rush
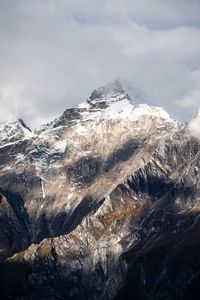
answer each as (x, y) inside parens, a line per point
(80, 129)
(84, 105)
(38, 167)
(159, 112)
(60, 146)
(19, 158)
(42, 186)
(122, 107)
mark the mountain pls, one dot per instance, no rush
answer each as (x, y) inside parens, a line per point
(102, 203)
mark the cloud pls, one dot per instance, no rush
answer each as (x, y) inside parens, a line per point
(194, 126)
(53, 53)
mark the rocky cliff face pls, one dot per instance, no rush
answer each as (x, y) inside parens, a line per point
(102, 203)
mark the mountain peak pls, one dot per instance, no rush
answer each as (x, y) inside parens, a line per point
(114, 87)
(113, 100)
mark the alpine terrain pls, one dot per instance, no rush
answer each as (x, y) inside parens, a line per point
(102, 203)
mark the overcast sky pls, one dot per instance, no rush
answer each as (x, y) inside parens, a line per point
(53, 53)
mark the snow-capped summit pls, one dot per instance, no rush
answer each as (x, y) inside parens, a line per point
(114, 101)
(116, 87)
(109, 102)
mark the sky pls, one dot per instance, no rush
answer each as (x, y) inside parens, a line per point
(54, 53)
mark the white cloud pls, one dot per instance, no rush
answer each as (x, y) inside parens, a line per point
(53, 53)
(194, 126)
(191, 100)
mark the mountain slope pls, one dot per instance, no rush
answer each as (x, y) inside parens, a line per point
(99, 203)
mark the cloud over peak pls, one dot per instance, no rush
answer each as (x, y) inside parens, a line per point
(194, 125)
(54, 53)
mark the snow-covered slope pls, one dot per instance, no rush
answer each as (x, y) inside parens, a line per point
(112, 101)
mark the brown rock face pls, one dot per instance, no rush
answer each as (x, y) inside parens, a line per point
(100, 204)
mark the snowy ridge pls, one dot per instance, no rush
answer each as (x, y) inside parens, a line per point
(13, 131)
(125, 109)
(113, 101)
(110, 102)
